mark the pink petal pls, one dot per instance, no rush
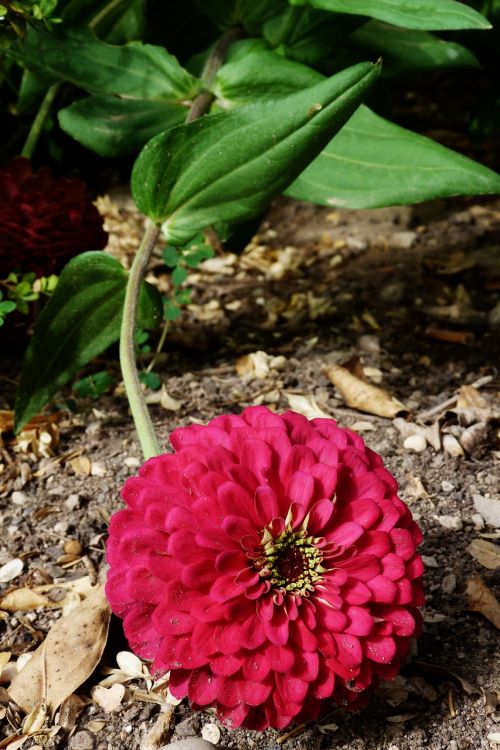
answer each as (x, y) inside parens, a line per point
(254, 693)
(319, 515)
(349, 650)
(361, 567)
(327, 478)
(382, 589)
(225, 664)
(300, 488)
(228, 691)
(393, 567)
(277, 628)
(381, 649)
(360, 621)
(377, 543)
(179, 682)
(292, 689)
(256, 665)
(414, 567)
(356, 592)
(232, 716)
(265, 609)
(323, 687)
(404, 546)
(231, 561)
(302, 636)
(237, 527)
(332, 619)
(299, 458)
(203, 687)
(306, 666)
(280, 658)
(224, 588)
(346, 533)
(266, 504)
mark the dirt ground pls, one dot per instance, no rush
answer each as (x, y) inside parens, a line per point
(414, 293)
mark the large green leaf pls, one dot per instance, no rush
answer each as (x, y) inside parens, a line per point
(250, 14)
(430, 15)
(308, 35)
(262, 75)
(80, 321)
(133, 71)
(372, 163)
(113, 127)
(227, 167)
(410, 50)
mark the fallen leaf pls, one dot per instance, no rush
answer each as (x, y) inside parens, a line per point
(470, 398)
(71, 707)
(35, 720)
(364, 396)
(256, 364)
(108, 698)
(414, 489)
(11, 570)
(96, 725)
(81, 465)
(131, 664)
(70, 653)
(486, 553)
(481, 599)
(305, 405)
(25, 599)
(410, 429)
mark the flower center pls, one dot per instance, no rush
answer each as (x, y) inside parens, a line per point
(290, 561)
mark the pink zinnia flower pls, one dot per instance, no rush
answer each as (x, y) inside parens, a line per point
(269, 565)
(44, 222)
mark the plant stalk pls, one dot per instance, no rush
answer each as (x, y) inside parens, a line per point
(38, 123)
(140, 413)
(138, 406)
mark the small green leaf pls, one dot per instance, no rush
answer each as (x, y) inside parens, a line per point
(411, 51)
(171, 310)
(197, 254)
(170, 256)
(151, 380)
(227, 167)
(81, 319)
(373, 163)
(179, 275)
(113, 127)
(250, 14)
(94, 385)
(431, 15)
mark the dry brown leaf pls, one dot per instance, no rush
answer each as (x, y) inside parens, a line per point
(470, 398)
(81, 465)
(70, 654)
(364, 396)
(25, 599)
(481, 599)
(160, 732)
(305, 405)
(486, 553)
(71, 707)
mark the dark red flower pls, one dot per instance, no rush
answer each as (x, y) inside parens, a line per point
(268, 564)
(44, 221)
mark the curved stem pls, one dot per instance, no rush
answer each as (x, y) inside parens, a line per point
(138, 407)
(38, 122)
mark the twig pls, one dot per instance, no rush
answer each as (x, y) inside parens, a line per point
(425, 415)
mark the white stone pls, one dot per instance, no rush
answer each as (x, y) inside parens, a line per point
(19, 498)
(453, 523)
(488, 508)
(190, 743)
(416, 443)
(447, 486)
(449, 583)
(478, 521)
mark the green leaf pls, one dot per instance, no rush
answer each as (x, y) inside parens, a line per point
(308, 35)
(227, 167)
(411, 51)
(262, 75)
(134, 71)
(81, 319)
(113, 127)
(373, 163)
(431, 15)
(151, 380)
(94, 385)
(179, 275)
(250, 14)
(170, 256)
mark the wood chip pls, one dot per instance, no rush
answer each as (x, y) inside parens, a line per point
(364, 396)
(66, 658)
(481, 599)
(81, 465)
(486, 553)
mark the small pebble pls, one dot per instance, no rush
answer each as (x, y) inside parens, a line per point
(402, 240)
(447, 486)
(478, 521)
(430, 561)
(453, 745)
(191, 743)
(453, 523)
(82, 741)
(19, 498)
(72, 502)
(449, 583)
(416, 443)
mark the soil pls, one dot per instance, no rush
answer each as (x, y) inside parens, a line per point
(316, 287)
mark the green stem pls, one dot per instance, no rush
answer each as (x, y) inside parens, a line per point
(38, 122)
(159, 347)
(138, 407)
